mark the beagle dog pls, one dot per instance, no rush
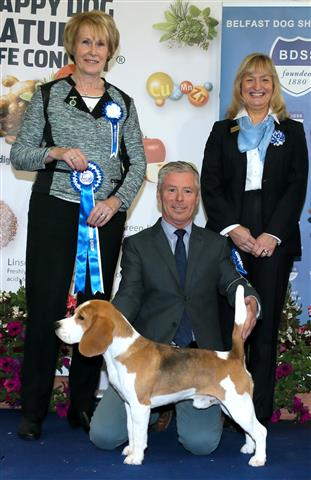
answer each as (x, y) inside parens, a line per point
(147, 374)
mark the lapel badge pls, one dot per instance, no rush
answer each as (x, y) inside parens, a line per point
(236, 128)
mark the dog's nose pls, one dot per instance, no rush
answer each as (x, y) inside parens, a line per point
(57, 324)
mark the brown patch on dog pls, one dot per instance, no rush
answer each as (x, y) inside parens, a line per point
(101, 323)
(170, 370)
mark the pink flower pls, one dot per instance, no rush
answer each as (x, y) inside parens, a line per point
(62, 409)
(12, 384)
(305, 415)
(297, 404)
(283, 370)
(66, 362)
(14, 328)
(282, 348)
(276, 416)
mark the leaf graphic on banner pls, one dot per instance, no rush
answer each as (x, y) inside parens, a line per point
(187, 25)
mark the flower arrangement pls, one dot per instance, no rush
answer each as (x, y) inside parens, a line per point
(13, 318)
(293, 372)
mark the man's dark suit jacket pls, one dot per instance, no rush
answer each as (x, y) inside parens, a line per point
(150, 295)
(284, 181)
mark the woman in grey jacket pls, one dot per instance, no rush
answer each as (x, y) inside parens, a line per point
(82, 136)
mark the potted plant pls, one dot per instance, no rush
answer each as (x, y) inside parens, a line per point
(13, 319)
(293, 372)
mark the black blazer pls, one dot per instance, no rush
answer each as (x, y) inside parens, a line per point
(150, 295)
(284, 181)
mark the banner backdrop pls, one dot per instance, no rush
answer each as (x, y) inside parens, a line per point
(284, 34)
(175, 87)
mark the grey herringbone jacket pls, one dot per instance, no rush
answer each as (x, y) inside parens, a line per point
(63, 120)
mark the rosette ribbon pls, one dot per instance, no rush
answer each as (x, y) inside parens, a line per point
(88, 249)
(237, 260)
(113, 112)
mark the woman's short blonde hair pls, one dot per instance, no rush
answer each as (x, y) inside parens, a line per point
(103, 24)
(262, 62)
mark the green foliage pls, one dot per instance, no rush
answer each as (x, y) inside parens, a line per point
(187, 25)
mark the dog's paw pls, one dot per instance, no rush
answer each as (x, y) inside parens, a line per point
(126, 450)
(133, 459)
(248, 448)
(256, 461)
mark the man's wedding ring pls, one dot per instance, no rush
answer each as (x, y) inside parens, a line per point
(265, 252)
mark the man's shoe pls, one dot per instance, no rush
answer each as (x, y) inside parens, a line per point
(78, 419)
(163, 421)
(29, 430)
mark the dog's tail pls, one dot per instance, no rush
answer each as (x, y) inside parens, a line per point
(237, 350)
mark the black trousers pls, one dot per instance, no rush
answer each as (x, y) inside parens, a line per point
(269, 276)
(50, 259)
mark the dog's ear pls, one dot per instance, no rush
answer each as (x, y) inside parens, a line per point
(97, 338)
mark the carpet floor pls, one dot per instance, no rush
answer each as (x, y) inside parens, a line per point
(66, 454)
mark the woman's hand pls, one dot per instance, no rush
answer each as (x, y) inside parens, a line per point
(264, 246)
(104, 211)
(74, 157)
(242, 238)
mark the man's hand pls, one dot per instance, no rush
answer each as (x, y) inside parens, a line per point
(250, 322)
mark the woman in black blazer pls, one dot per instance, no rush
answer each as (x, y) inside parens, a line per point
(254, 179)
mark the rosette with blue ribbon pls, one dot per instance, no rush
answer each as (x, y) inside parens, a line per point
(113, 112)
(88, 250)
(237, 260)
(278, 138)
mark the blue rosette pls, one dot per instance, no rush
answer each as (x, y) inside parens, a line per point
(237, 260)
(278, 138)
(88, 249)
(113, 113)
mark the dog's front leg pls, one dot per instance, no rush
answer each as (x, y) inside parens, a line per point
(137, 424)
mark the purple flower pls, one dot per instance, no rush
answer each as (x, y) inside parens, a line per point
(283, 370)
(6, 364)
(14, 328)
(276, 416)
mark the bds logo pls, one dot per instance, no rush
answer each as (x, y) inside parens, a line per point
(292, 59)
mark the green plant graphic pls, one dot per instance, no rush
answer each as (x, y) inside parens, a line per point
(187, 25)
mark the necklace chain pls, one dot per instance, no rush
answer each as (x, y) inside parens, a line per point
(84, 91)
